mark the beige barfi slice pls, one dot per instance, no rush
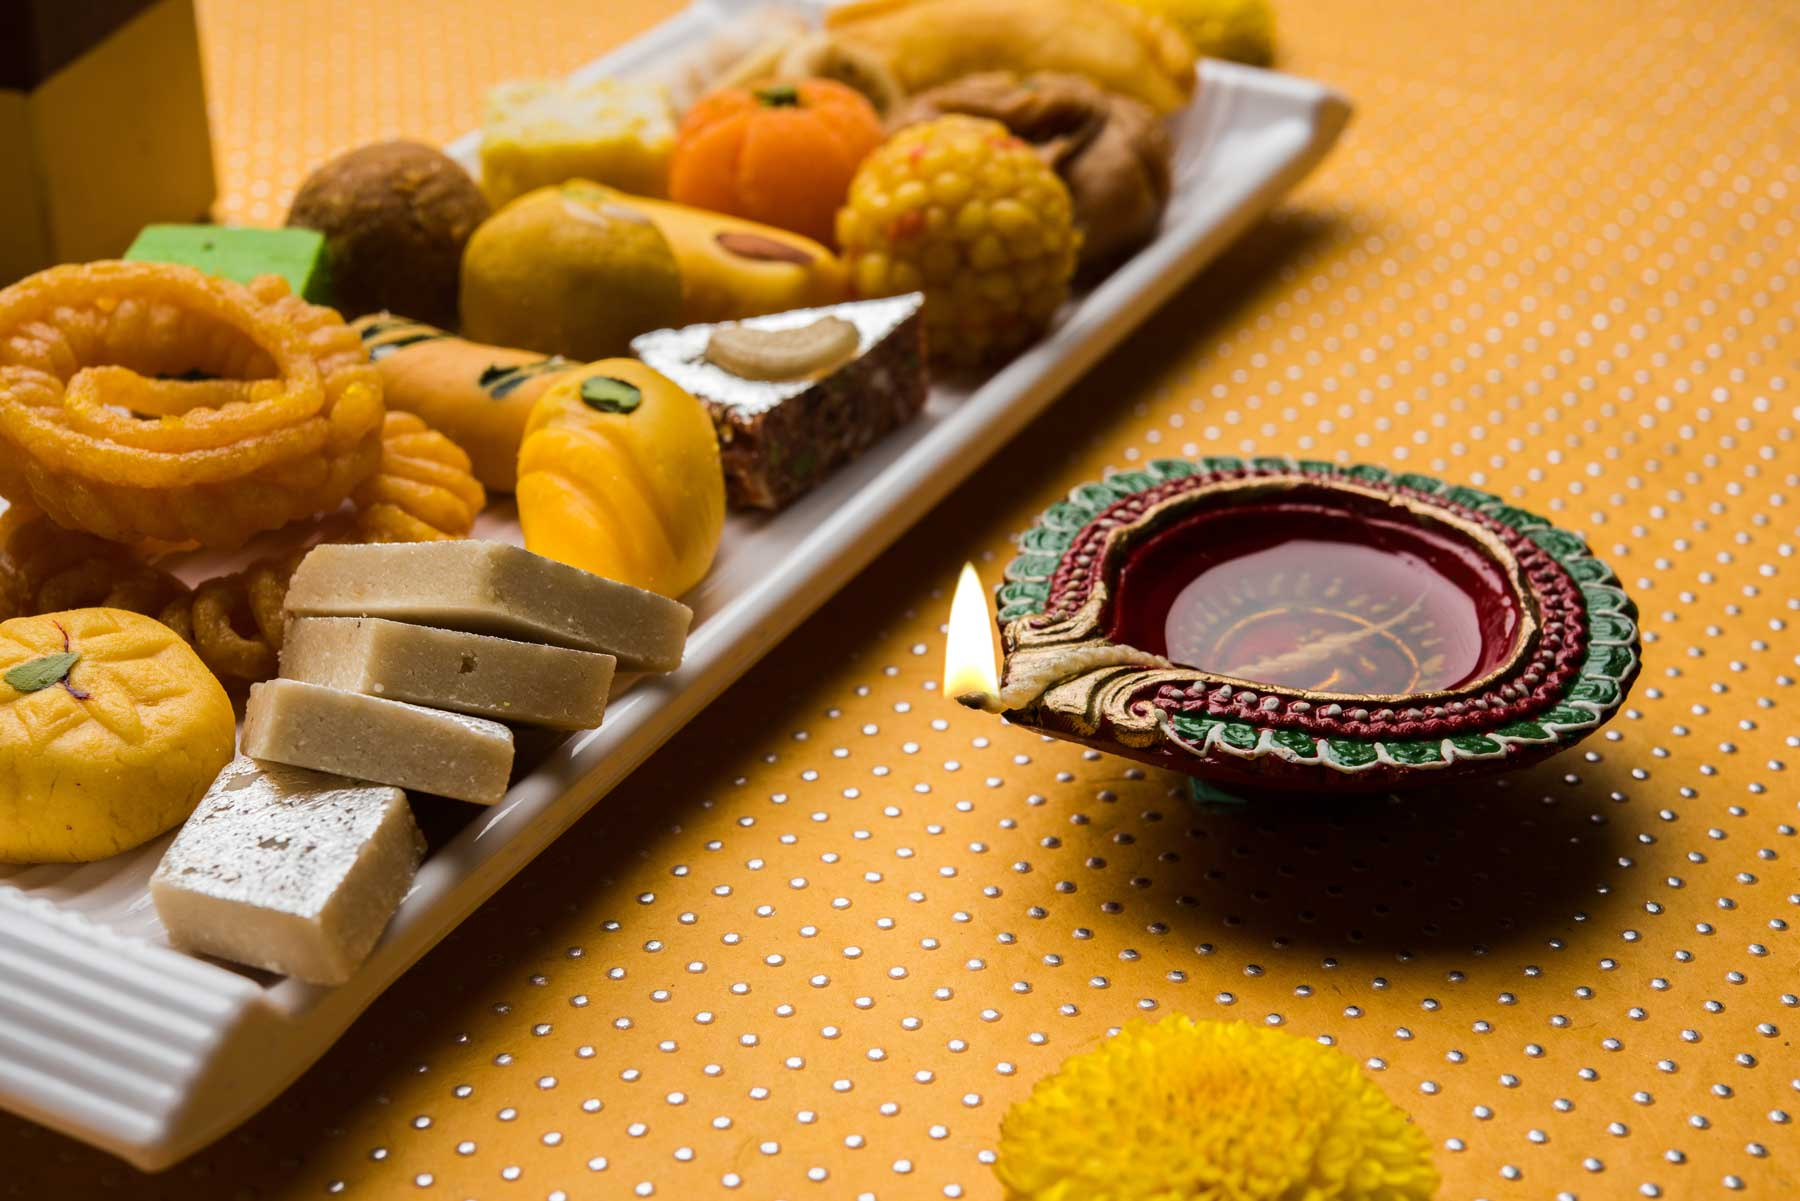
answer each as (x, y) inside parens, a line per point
(389, 742)
(523, 682)
(492, 588)
(289, 870)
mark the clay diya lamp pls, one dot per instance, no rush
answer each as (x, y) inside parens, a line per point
(1280, 626)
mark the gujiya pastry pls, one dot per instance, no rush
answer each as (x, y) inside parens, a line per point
(302, 850)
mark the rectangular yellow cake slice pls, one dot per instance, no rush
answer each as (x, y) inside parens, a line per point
(542, 132)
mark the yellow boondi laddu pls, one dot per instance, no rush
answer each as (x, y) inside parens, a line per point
(1211, 1111)
(111, 729)
(960, 209)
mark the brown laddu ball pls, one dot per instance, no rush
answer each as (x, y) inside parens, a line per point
(395, 216)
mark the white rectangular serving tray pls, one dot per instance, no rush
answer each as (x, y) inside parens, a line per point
(109, 1035)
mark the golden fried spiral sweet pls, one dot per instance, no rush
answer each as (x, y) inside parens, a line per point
(45, 569)
(423, 491)
(235, 621)
(103, 428)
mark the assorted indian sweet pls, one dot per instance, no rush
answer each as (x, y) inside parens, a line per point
(1237, 29)
(45, 568)
(402, 657)
(479, 396)
(780, 229)
(241, 253)
(733, 54)
(103, 428)
(796, 395)
(400, 664)
(561, 271)
(769, 45)
(1111, 150)
(541, 132)
(493, 588)
(820, 55)
(924, 43)
(232, 621)
(959, 208)
(395, 217)
(288, 870)
(111, 729)
(520, 682)
(619, 475)
(422, 490)
(369, 738)
(730, 266)
(782, 154)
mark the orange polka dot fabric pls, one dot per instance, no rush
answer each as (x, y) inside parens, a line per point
(816, 946)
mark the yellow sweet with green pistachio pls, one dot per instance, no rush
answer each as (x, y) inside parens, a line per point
(111, 730)
(619, 475)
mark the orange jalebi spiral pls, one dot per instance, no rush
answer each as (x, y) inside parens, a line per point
(234, 622)
(94, 432)
(423, 491)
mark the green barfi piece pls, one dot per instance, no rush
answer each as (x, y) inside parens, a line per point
(241, 253)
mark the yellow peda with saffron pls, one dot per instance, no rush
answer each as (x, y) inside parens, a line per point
(111, 730)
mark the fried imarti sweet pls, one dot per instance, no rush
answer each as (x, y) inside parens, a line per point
(423, 491)
(150, 401)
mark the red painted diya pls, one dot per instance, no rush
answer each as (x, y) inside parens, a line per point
(1282, 625)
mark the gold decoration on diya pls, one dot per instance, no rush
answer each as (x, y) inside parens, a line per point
(1292, 630)
(1323, 615)
(1277, 624)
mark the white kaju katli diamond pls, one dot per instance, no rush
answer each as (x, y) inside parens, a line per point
(287, 869)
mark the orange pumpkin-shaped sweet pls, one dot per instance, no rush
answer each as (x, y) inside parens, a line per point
(782, 154)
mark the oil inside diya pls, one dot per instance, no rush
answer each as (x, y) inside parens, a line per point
(1278, 625)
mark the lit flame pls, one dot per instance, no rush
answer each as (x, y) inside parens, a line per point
(970, 676)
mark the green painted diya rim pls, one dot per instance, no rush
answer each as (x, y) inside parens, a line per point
(1578, 656)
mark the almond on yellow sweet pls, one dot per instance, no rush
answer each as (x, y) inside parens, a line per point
(111, 730)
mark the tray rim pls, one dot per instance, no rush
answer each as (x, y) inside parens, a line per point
(154, 1081)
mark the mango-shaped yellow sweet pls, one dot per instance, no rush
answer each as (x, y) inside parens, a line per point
(619, 475)
(111, 729)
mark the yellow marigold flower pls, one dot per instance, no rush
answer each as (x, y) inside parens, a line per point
(1211, 1111)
